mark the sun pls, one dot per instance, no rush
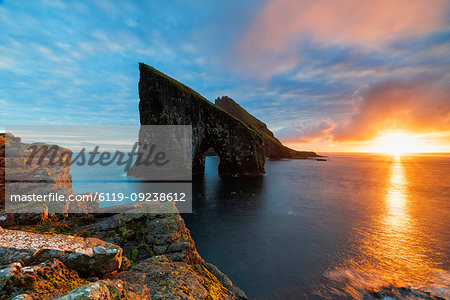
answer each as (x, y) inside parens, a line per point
(397, 143)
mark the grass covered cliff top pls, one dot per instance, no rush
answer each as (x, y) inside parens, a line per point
(144, 68)
(233, 108)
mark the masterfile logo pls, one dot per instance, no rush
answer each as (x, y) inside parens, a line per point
(98, 169)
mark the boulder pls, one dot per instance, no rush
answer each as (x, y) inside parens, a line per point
(23, 297)
(7, 273)
(108, 289)
(143, 235)
(177, 280)
(85, 255)
(47, 280)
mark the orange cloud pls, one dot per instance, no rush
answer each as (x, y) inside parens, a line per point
(417, 106)
(283, 23)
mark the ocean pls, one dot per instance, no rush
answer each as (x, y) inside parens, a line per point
(354, 226)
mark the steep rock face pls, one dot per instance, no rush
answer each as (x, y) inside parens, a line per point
(164, 101)
(24, 165)
(272, 146)
(32, 178)
(40, 178)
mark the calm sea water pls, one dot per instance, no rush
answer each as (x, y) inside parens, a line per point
(333, 229)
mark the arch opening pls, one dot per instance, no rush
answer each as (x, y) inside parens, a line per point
(212, 161)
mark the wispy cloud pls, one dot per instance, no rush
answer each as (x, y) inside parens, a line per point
(81, 67)
(306, 132)
(281, 25)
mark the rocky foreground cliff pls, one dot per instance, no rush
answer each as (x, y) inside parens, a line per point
(135, 254)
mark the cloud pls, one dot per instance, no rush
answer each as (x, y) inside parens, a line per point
(415, 106)
(418, 106)
(7, 63)
(305, 132)
(274, 34)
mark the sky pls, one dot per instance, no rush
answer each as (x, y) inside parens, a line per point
(324, 75)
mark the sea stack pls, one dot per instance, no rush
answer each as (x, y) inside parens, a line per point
(273, 148)
(165, 101)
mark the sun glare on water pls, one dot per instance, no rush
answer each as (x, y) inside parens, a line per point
(398, 144)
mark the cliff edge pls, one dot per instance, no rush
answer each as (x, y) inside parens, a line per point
(273, 148)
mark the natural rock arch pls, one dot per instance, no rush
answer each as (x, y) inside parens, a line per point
(165, 101)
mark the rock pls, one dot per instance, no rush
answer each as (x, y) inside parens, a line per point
(126, 264)
(165, 101)
(396, 292)
(225, 281)
(23, 297)
(8, 273)
(143, 235)
(35, 214)
(43, 281)
(95, 290)
(83, 207)
(85, 255)
(177, 280)
(3, 220)
(38, 178)
(27, 175)
(272, 146)
(108, 289)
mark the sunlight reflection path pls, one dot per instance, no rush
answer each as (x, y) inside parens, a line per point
(397, 216)
(393, 250)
